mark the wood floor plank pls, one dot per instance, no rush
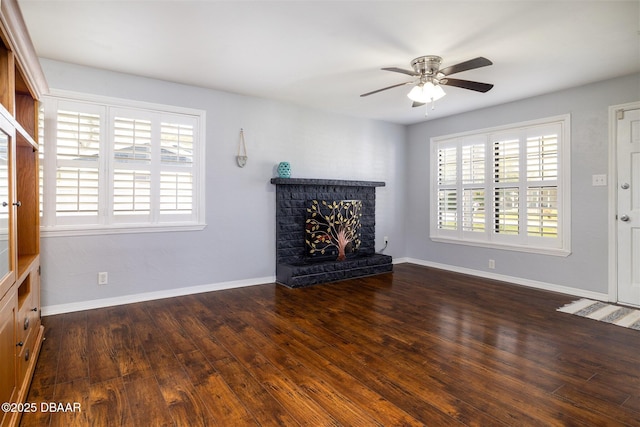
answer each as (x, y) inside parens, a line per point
(74, 364)
(147, 405)
(495, 398)
(108, 404)
(408, 385)
(38, 393)
(318, 384)
(290, 339)
(70, 403)
(304, 409)
(49, 353)
(633, 403)
(223, 405)
(177, 338)
(598, 408)
(126, 346)
(103, 363)
(340, 362)
(264, 408)
(183, 400)
(159, 353)
(343, 392)
(417, 347)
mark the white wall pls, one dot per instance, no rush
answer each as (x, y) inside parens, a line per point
(585, 270)
(237, 247)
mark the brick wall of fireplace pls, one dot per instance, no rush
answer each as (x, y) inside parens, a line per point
(293, 267)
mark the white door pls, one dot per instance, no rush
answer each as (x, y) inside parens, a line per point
(628, 209)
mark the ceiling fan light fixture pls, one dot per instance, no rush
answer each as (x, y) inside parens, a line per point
(427, 92)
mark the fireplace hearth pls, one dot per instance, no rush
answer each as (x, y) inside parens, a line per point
(343, 210)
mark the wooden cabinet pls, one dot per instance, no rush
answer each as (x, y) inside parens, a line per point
(8, 372)
(21, 333)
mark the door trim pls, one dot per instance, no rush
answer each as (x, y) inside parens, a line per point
(613, 197)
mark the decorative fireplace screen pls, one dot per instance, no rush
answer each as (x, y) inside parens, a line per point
(332, 229)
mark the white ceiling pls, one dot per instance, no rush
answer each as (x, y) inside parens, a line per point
(324, 54)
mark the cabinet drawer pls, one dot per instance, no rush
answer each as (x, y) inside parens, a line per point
(28, 318)
(26, 354)
(8, 350)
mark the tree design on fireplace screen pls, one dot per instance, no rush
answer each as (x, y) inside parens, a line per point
(333, 229)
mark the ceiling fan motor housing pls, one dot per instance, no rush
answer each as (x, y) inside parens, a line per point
(427, 65)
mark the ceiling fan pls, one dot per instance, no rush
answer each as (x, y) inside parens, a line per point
(430, 78)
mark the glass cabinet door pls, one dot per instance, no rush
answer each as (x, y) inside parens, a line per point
(5, 204)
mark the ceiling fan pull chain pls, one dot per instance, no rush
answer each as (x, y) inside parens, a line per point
(426, 106)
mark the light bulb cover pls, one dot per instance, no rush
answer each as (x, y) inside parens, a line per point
(427, 92)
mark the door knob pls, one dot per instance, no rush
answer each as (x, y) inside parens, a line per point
(625, 186)
(624, 218)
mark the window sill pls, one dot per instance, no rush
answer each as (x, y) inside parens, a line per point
(61, 231)
(518, 248)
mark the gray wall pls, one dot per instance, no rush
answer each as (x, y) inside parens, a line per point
(238, 243)
(586, 268)
(237, 246)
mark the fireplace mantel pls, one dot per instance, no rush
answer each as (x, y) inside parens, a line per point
(293, 269)
(335, 182)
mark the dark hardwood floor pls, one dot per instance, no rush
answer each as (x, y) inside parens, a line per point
(416, 347)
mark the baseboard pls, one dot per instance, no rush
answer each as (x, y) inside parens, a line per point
(148, 296)
(50, 310)
(511, 279)
(169, 293)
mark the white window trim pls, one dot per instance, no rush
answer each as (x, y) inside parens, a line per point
(563, 182)
(99, 229)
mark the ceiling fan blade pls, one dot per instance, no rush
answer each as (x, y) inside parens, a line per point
(402, 70)
(466, 84)
(467, 65)
(385, 88)
(417, 104)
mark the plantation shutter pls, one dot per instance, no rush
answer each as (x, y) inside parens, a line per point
(542, 184)
(120, 167)
(501, 188)
(78, 142)
(447, 211)
(131, 153)
(473, 182)
(177, 168)
(506, 178)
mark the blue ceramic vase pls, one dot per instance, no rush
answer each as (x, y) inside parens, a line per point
(284, 170)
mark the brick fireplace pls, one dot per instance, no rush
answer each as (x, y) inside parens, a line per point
(294, 267)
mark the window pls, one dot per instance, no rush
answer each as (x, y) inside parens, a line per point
(505, 187)
(118, 166)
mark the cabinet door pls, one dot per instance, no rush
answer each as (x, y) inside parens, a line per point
(8, 349)
(7, 269)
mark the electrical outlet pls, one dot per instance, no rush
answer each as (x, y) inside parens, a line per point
(599, 180)
(386, 240)
(492, 264)
(103, 278)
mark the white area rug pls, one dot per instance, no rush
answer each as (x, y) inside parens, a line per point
(603, 312)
